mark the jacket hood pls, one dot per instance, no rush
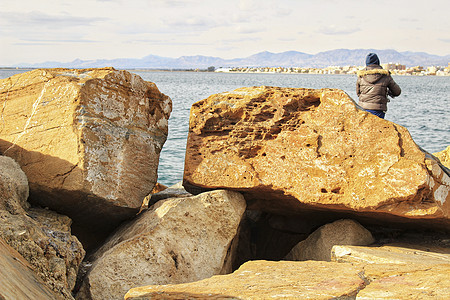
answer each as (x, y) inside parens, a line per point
(373, 75)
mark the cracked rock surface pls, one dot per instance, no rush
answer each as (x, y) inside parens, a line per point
(291, 149)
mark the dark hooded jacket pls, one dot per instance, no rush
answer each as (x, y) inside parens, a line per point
(372, 87)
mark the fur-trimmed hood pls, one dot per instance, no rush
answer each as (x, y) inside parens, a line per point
(373, 73)
(364, 72)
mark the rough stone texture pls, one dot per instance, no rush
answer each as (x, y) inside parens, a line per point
(319, 244)
(43, 238)
(290, 150)
(18, 279)
(392, 254)
(266, 280)
(444, 156)
(13, 186)
(178, 240)
(88, 140)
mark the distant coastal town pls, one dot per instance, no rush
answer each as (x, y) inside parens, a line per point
(395, 69)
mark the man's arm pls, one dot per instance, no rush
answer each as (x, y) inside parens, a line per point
(358, 92)
(394, 89)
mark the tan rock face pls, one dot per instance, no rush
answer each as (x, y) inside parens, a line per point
(88, 140)
(292, 149)
(266, 280)
(18, 280)
(178, 240)
(319, 244)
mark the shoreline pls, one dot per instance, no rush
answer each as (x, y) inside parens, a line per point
(311, 71)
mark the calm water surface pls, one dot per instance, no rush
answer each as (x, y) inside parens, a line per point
(423, 108)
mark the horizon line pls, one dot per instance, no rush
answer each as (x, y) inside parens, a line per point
(218, 57)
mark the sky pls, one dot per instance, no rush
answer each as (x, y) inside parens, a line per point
(35, 31)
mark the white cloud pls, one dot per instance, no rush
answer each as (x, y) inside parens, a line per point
(40, 20)
(196, 23)
(89, 29)
(248, 29)
(338, 30)
(250, 5)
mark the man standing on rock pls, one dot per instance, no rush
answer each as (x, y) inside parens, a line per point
(373, 86)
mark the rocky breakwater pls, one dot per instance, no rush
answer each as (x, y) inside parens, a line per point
(290, 151)
(88, 140)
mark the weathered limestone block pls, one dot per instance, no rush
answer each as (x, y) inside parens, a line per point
(266, 280)
(319, 244)
(444, 156)
(88, 140)
(178, 240)
(289, 149)
(13, 186)
(18, 279)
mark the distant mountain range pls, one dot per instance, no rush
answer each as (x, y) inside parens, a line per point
(338, 57)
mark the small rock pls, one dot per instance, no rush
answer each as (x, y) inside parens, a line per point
(319, 244)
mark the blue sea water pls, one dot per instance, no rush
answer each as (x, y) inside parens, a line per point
(423, 107)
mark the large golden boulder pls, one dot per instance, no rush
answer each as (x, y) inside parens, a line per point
(88, 140)
(292, 150)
